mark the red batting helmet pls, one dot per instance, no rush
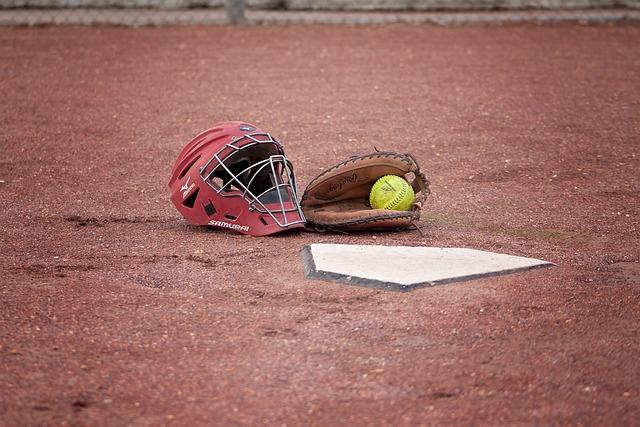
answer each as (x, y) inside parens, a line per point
(236, 176)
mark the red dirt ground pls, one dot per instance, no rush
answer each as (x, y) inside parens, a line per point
(115, 312)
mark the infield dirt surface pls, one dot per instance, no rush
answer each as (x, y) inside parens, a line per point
(115, 312)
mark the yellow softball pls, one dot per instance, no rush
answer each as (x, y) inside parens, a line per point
(391, 192)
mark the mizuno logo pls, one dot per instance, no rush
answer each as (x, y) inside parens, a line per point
(185, 185)
(186, 188)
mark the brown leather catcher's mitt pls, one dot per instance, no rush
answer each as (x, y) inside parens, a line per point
(338, 198)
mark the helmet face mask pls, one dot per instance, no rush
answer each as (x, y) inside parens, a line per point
(258, 174)
(245, 182)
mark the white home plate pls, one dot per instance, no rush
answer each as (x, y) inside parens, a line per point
(404, 268)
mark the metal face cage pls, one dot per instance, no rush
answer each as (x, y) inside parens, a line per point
(254, 167)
